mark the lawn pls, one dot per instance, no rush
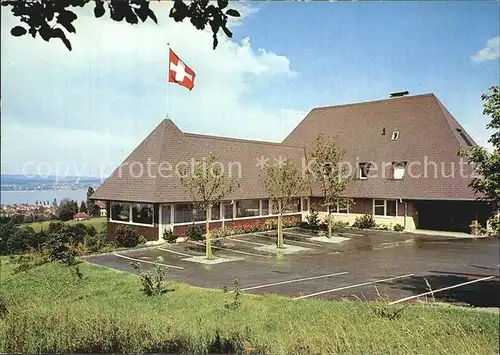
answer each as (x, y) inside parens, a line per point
(51, 310)
(97, 222)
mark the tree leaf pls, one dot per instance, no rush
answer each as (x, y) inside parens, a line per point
(216, 41)
(99, 10)
(18, 31)
(232, 12)
(222, 3)
(69, 27)
(227, 31)
(152, 16)
(58, 33)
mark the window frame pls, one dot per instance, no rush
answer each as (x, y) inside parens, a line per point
(361, 169)
(401, 165)
(240, 202)
(130, 216)
(385, 207)
(395, 135)
(336, 209)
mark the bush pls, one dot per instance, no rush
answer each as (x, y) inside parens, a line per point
(127, 237)
(364, 222)
(398, 228)
(312, 220)
(153, 281)
(169, 236)
(194, 232)
(340, 224)
(382, 227)
(95, 243)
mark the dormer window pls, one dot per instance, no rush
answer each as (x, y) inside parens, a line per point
(399, 168)
(364, 169)
(395, 136)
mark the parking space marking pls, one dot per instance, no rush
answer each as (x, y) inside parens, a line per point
(231, 250)
(246, 241)
(147, 262)
(175, 252)
(295, 280)
(352, 286)
(442, 289)
(353, 234)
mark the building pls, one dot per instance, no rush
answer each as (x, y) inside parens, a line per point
(102, 208)
(402, 152)
(80, 216)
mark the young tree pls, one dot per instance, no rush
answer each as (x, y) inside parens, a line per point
(66, 210)
(486, 164)
(327, 169)
(92, 208)
(207, 185)
(284, 184)
(54, 18)
(83, 207)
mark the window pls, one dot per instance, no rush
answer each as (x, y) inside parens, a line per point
(120, 211)
(364, 169)
(185, 212)
(293, 207)
(247, 208)
(385, 207)
(228, 210)
(399, 169)
(142, 213)
(395, 136)
(265, 207)
(341, 206)
(215, 213)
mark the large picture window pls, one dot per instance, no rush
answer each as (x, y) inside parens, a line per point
(265, 207)
(385, 208)
(215, 213)
(184, 212)
(142, 213)
(293, 207)
(341, 206)
(247, 208)
(120, 211)
(228, 210)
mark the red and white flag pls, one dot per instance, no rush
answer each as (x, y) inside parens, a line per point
(179, 72)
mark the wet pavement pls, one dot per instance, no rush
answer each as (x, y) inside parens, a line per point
(368, 265)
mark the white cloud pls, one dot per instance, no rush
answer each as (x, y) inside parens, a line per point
(97, 102)
(490, 52)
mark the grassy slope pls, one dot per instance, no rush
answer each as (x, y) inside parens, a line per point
(106, 312)
(97, 222)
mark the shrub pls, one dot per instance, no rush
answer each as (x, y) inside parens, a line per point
(364, 222)
(126, 237)
(271, 223)
(398, 228)
(169, 236)
(382, 226)
(340, 224)
(312, 220)
(95, 243)
(194, 232)
(154, 280)
(20, 240)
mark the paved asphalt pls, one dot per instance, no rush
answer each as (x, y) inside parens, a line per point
(369, 265)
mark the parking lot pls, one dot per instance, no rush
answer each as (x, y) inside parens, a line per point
(365, 265)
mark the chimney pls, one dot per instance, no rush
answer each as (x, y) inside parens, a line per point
(399, 94)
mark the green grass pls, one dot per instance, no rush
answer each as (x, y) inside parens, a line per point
(49, 310)
(97, 222)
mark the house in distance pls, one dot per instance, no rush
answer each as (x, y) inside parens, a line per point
(401, 152)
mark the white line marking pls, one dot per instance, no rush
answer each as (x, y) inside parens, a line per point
(292, 281)
(442, 289)
(175, 252)
(231, 250)
(147, 262)
(351, 286)
(246, 241)
(300, 242)
(354, 234)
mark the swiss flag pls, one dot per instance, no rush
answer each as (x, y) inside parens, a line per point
(179, 72)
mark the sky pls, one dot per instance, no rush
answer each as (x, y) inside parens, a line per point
(83, 112)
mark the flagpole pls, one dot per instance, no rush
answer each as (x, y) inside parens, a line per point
(168, 81)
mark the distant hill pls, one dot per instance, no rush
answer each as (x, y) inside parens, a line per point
(11, 179)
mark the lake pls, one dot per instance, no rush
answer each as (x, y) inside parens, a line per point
(10, 197)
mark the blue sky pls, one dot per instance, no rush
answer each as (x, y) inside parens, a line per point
(89, 108)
